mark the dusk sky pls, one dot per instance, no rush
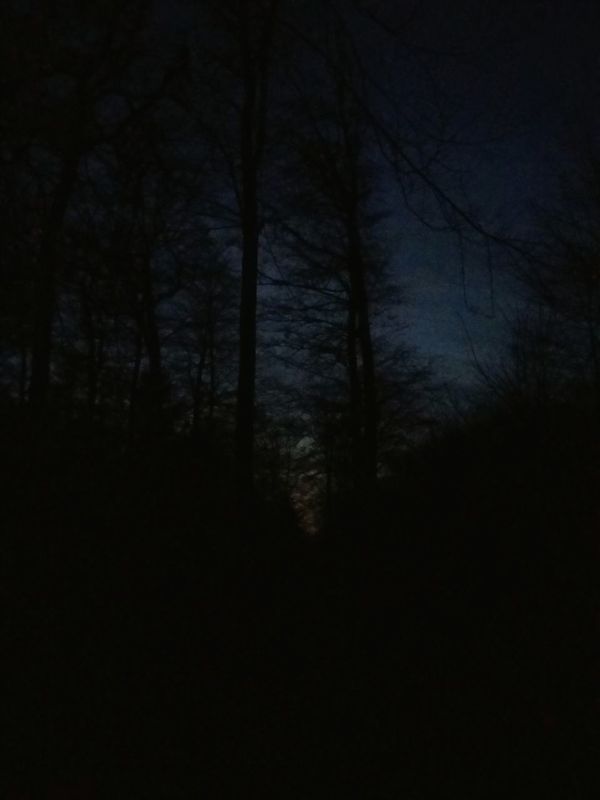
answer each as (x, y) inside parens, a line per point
(527, 75)
(300, 398)
(542, 79)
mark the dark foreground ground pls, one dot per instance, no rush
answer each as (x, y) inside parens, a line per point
(415, 653)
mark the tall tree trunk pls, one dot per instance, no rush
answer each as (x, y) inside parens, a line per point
(247, 333)
(45, 289)
(135, 382)
(150, 326)
(197, 393)
(356, 403)
(23, 374)
(329, 467)
(365, 344)
(255, 64)
(89, 331)
(151, 336)
(212, 370)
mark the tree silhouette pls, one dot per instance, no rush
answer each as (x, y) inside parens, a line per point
(562, 272)
(243, 548)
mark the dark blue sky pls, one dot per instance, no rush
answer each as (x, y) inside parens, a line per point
(528, 74)
(538, 75)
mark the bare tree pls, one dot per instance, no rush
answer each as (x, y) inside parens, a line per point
(562, 272)
(236, 45)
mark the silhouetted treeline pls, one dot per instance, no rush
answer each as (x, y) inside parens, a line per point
(243, 552)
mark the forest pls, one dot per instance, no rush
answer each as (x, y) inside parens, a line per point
(258, 536)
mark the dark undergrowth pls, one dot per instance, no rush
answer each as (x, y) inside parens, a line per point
(443, 643)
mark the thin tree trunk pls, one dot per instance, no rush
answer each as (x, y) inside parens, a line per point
(135, 381)
(255, 60)
(197, 392)
(369, 392)
(355, 395)
(92, 355)
(45, 290)
(150, 326)
(250, 235)
(23, 375)
(329, 463)
(92, 392)
(212, 376)
(151, 336)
